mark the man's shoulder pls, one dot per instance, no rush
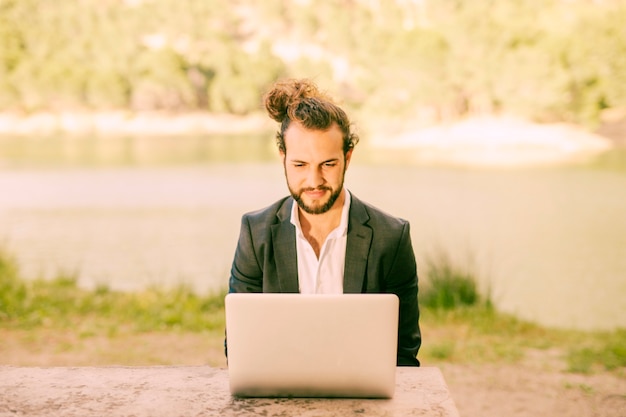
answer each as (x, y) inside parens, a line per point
(368, 213)
(270, 212)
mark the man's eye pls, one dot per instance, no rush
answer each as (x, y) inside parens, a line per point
(330, 164)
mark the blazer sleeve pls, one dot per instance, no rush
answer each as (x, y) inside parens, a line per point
(246, 274)
(403, 281)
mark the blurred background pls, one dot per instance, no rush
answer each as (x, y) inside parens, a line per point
(132, 137)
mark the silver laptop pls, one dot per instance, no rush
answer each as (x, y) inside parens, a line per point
(295, 345)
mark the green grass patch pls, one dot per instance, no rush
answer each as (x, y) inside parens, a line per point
(61, 303)
(447, 286)
(457, 324)
(606, 350)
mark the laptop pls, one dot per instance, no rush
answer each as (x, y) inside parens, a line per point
(297, 345)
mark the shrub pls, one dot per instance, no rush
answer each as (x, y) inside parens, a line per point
(447, 287)
(13, 292)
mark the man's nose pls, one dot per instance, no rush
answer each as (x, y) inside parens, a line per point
(315, 177)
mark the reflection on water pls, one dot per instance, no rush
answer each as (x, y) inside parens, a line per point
(550, 242)
(134, 151)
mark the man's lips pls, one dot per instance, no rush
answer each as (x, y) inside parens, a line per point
(316, 193)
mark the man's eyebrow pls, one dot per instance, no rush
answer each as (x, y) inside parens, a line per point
(298, 161)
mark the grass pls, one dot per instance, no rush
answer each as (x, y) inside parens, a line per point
(448, 287)
(608, 351)
(458, 325)
(61, 303)
(464, 326)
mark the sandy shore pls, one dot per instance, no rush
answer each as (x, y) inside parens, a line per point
(496, 141)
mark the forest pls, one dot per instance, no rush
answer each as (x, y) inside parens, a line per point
(428, 60)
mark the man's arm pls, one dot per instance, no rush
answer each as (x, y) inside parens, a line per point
(402, 281)
(245, 275)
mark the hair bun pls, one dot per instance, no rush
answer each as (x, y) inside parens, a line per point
(284, 98)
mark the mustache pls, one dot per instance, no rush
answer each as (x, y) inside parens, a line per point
(320, 188)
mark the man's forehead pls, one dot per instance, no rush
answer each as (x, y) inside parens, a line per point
(314, 150)
(298, 127)
(299, 134)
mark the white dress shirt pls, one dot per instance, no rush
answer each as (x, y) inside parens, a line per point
(323, 275)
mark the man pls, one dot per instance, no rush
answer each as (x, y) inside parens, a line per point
(329, 241)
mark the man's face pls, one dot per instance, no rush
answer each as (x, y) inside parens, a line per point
(315, 166)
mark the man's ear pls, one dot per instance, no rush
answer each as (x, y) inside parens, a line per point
(282, 155)
(348, 157)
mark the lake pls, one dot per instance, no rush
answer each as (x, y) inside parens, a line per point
(549, 243)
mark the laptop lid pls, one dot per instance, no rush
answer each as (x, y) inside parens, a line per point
(282, 345)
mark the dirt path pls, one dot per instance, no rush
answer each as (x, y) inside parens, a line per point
(536, 386)
(520, 391)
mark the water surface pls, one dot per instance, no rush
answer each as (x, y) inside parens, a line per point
(550, 243)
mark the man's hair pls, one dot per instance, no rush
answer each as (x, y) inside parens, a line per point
(301, 101)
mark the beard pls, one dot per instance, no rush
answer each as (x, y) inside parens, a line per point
(321, 207)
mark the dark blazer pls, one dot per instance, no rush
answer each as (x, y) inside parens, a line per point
(379, 259)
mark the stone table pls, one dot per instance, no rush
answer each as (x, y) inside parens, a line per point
(171, 391)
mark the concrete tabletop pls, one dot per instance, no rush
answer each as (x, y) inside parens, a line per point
(196, 391)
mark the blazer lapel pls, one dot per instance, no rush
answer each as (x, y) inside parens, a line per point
(284, 245)
(357, 248)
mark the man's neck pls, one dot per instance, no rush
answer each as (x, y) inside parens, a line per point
(316, 227)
